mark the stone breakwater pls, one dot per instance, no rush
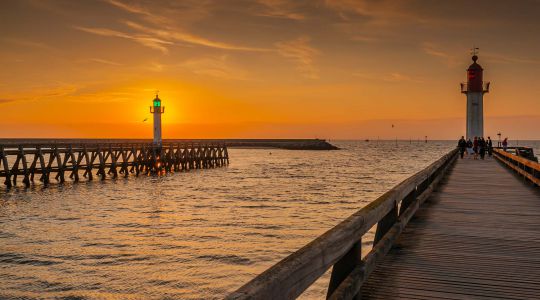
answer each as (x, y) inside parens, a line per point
(290, 144)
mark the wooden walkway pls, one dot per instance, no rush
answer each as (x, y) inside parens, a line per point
(476, 237)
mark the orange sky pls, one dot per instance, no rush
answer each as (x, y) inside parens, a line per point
(267, 68)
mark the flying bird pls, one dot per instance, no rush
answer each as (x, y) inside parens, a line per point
(145, 120)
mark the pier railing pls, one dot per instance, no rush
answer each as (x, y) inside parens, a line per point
(340, 247)
(27, 160)
(523, 166)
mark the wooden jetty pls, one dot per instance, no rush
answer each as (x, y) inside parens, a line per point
(472, 233)
(59, 159)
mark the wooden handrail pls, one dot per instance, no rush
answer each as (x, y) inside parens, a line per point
(527, 168)
(338, 247)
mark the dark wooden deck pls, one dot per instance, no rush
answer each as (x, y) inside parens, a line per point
(476, 237)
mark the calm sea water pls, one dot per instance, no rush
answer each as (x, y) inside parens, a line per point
(192, 235)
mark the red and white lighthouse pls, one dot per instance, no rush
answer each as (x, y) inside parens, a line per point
(475, 89)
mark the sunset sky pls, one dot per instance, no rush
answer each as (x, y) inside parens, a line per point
(335, 69)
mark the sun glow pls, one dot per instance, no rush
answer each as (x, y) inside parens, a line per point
(248, 74)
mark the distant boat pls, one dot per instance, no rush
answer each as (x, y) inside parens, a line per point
(367, 140)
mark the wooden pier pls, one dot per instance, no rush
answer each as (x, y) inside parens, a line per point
(459, 229)
(107, 159)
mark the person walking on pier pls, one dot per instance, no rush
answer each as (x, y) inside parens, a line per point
(462, 145)
(469, 147)
(505, 144)
(489, 146)
(475, 147)
(482, 147)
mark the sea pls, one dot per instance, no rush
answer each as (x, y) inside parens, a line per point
(193, 235)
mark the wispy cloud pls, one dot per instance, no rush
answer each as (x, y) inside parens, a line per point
(27, 43)
(218, 67)
(302, 53)
(507, 59)
(364, 38)
(434, 50)
(178, 36)
(104, 61)
(389, 77)
(155, 67)
(138, 9)
(147, 41)
(4, 101)
(381, 12)
(41, 93)
(133, 8)
(431, 49)
(164, 30)
(280, 9)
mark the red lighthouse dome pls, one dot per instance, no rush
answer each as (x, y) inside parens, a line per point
(475, 83)
(474, 76)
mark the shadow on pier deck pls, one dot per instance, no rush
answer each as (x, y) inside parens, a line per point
(476, 237)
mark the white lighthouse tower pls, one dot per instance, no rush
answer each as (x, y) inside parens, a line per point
(157, 110)
(475, 89)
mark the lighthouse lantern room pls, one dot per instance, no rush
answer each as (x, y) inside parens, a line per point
(156, 109)
(475, 89)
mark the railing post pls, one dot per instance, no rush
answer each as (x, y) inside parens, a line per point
(407, 201)
(343, 267)
(386, 223)
(7, 171)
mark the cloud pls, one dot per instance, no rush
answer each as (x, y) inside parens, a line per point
(364, 38)
(104, 61)
(129, 7)
(389, 77)
(434, 50)
(165, 31)
(218, 67)
(40, 93)
(506, 59)
(178, 36)
(147, 41)
(155, 67)
(282, 9)
(27, 43)
(430, 48)
(4, 101)
(300, 51)
(381, 12)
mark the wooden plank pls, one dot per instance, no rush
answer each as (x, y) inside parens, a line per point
(476, 237)
(350, 287)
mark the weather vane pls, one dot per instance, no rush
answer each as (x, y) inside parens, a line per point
(474, 50)
(157, 92)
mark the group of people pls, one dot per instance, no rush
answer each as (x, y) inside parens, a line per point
(476, 147)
